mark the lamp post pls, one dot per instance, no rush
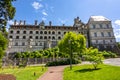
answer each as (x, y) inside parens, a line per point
(70, 55)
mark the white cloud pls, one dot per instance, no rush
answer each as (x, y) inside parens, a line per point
(37, 5)
(10, 22)
(117, 22)
(44, 13)
(44, 19)
(62, 21)
(116, 29)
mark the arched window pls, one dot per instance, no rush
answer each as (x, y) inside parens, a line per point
(36, 37)
(45, 37)
(49, 32)
(11, 37)
(24, 32)
(41, 32)
(24, 37)
(18, 32)
(37, 32)
(59, 37)
(11, 32)
(17, 37)
(41, 37)
(53, 37)
(30, 37)
(53, 32)
(59, 32)
(31, 32)
(45, 32)
(49, 37)
(64, 32)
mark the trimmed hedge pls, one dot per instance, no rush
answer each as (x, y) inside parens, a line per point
(63, 62)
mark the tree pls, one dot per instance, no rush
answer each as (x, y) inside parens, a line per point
(77, 43)
(93, 56)
(3, 45)
(72, 43)
(7, 12)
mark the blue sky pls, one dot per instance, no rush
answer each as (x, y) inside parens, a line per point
(64, 11)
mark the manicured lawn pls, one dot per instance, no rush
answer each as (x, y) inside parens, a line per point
(86, 72)
(25, 73)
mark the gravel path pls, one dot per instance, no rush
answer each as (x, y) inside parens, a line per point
(53, 73)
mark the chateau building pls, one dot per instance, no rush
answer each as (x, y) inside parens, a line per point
(24, 37)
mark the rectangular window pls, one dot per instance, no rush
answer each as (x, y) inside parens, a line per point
(103, 41)
(93, 26)
(16, 44)
(23, 44)
(100, 25)
(95, 34)
(110, 40)
(96, 41)
(36, 44)
(102, 34)
(109, 34)
(107, 25)
(40, 44)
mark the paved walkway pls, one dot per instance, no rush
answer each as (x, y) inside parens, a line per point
(113, 61)
(53, 73)
(56, 73)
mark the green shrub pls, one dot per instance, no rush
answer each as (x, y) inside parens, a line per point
(109, 54)
(63, 62)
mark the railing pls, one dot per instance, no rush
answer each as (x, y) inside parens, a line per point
(28, 61)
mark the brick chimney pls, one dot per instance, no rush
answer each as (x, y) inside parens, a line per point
(36, 22)
(15, 22)
(50, 23)
(20, 22)
(24, 22)
(63, 24)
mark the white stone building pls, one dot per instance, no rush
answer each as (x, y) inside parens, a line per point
(24, 37)
(101, 32)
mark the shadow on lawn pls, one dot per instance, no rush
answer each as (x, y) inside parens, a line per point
(87, 70)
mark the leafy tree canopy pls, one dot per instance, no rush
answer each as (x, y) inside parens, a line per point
(7, 12)
(94, 56)
(3, 44)
(72, 41)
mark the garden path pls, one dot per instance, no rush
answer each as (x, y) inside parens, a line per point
(53, 73)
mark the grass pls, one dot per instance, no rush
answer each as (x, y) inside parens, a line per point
(26, 73)
(86, 72)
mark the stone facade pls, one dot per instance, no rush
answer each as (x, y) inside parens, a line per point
(23, 37)
(101, 32)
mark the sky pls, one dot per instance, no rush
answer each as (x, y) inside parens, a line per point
(64, 11)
